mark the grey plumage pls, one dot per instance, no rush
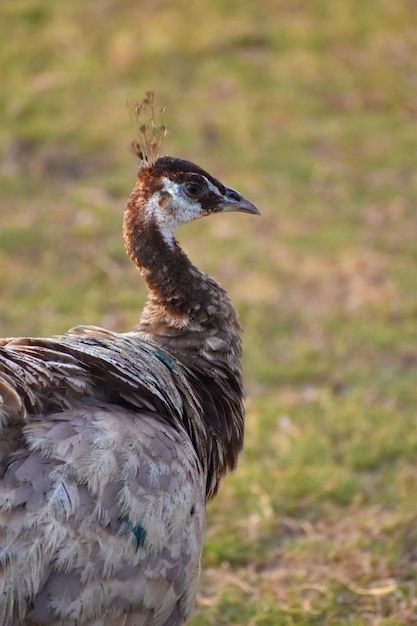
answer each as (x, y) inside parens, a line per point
(89, 485)
(111, 444)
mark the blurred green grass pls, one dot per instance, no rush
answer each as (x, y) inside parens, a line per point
(310, 110)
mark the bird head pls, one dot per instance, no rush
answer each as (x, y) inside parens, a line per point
(170, 192)
(178, 192)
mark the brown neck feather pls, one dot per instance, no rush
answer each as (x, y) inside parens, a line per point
(192, 316)
(181, 297)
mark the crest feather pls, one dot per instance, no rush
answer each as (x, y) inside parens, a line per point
(150, 133)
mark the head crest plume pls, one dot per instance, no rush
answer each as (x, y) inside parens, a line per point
(151, 133)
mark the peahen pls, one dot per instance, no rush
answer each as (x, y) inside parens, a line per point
(111, 444)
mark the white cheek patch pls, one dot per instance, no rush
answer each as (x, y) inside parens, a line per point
(174, 210)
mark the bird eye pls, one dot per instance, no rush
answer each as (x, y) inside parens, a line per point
(194, 190)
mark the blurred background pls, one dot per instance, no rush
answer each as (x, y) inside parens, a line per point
(309, 109)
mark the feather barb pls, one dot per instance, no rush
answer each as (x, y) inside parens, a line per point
(150, 132)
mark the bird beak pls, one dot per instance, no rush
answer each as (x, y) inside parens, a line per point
(234, 201)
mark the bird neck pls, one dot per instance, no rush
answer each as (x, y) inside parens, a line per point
(181, 297)
(191, 315)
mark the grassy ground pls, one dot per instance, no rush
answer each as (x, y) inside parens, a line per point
(309, 108)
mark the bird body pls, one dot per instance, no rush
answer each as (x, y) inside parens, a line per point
(112, 443)
(102, 508)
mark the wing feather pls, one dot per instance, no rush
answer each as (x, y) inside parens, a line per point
(102, 493)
